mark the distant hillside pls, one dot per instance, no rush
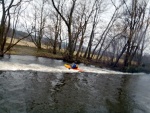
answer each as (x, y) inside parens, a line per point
(20, 34)
(17, 33)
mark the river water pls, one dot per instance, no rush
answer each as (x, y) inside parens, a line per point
(40, 85)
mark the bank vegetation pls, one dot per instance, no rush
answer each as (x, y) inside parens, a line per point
(80, 30)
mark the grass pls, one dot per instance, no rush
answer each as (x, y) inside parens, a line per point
(27, 50)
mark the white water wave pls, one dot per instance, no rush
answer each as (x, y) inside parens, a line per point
(6, 66)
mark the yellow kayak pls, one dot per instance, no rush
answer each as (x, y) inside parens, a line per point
(69, 67)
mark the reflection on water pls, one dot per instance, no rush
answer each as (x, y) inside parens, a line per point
(31, 60)
(41, 92)
(16, 62)
(57, 91)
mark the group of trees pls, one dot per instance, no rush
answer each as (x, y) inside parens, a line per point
(84, 25)
(10, 12)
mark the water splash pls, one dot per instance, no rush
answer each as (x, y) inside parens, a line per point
(12, 66)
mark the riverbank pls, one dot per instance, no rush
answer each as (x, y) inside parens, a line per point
(28, 48)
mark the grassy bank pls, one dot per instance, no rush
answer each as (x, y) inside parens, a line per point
(28, 48)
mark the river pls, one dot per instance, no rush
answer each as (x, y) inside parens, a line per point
(40, 85)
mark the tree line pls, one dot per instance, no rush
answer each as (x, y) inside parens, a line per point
(86, 27)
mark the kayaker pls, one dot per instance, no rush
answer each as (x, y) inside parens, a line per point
(74, 66)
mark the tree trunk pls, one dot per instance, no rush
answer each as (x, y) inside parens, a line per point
(117, 60)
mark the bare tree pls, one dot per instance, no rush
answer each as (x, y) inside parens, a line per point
(9, 9)
(134, 18)
(95, 22)
(53, 32)
(84, 19)
(58, 30)
(40, 16)
(68, 22)
(104, 34)
(137, 17)
(140, 43)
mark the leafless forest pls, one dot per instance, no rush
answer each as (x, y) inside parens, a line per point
(106, 31)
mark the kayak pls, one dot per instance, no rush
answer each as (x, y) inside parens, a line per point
(69, 67)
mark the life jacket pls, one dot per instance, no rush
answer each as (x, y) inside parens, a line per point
(74, 66)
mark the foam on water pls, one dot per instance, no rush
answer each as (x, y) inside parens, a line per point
(4, 65)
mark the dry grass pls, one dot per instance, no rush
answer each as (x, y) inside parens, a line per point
(28, 48)
(25, 43)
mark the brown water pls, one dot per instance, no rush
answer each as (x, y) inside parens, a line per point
(55, 92)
